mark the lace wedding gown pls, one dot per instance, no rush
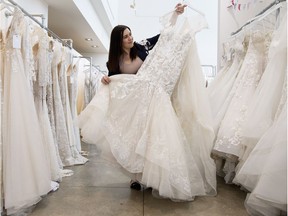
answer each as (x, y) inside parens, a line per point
(264, 171)
(1, 100)
(41, 59)
(262, 110)
(220, 94)
(158, 123)
(26, 173)
(228, 142)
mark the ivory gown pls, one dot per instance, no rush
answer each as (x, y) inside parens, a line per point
(157, 124)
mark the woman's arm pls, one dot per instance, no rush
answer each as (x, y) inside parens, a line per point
(149, 43)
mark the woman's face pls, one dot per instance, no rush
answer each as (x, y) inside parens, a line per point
(127, 42)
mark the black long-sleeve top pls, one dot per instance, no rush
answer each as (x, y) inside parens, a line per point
(143, 48)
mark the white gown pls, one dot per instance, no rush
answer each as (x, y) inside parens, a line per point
(228, 142)
(220, 94)
(265, 171)
(158, 123)
(26, 173)
(74, 140)
(1, 100)
(64, 147)
(262, 110)
(40, 47)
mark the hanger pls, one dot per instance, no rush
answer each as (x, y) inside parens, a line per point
(6, 5)
(266, 13)
(271, 8)
(187, 2)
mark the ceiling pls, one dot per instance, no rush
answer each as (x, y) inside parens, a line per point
(67, 21)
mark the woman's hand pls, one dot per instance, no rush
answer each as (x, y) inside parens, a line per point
(179, 8)
(105, 80)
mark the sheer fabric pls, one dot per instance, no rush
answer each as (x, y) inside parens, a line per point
(58, 109)
(26, 174)
(220, 91)
(158, 123)
(41, 59)
(229, 137)
(265, 171)
(74, 140)
(252, 165)
(50, 100)
(264, 103)
(72, 74)
(1, 110)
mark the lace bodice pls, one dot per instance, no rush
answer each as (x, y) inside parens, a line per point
(173, 41)
(168, 68)
(230, 133)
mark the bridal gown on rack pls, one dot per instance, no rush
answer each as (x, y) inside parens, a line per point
(220, 94)
(264, 103)
(1, 101)
(72, 85)
(228, 142)
(158, 123)
(270, 194)
(58, 109)
(63, 86)
(41, 58)
(264, 172)
(26, 174)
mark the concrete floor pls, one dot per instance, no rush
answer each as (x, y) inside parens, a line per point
(99, 189)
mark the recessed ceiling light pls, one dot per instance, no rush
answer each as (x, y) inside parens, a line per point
(88, 39)
(94, 46)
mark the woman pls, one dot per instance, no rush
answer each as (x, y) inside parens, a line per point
(127, 56)
(156, 124)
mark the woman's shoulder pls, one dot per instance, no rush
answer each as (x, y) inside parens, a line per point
(144, 46)
(149, 41)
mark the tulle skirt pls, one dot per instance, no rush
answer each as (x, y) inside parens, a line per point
(135, 125)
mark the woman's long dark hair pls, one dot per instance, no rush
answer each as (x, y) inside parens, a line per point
(116, 50)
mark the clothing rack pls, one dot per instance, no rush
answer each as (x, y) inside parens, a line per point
(97, 67)
(7, 14)
(90, 75)
(47, 29)
(89, 59)
(262, 12)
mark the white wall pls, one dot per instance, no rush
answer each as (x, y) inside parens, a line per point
(111, 8)
(144, 23)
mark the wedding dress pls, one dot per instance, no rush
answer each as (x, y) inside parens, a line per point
(228, 142)
(41, 58)
(220, 94)
(74, 140)
(158, 123)
(26, 173)
(1, 111)
(58, 109)
(265, 171)
(50, 98)
(262, 110)
(72, 89)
